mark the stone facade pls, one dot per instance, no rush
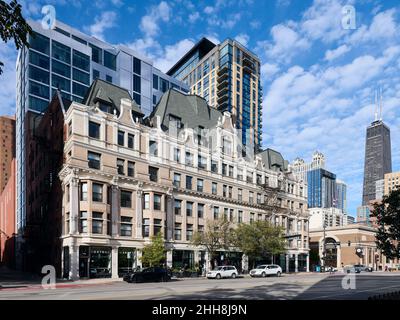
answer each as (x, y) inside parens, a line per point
(123, 181)
(342, 243)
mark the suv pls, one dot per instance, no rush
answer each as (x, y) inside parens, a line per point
(265, 270)
(362, 268)
(223, 272)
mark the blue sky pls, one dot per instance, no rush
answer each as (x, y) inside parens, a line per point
(318, 78)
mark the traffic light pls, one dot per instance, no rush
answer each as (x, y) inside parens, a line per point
(349, 243)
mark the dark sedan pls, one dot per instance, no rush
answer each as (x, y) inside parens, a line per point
(152, 274)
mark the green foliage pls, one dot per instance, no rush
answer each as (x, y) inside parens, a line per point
(387, 213)
(259, 239)
(153, 254)
(13, 25)
(218, 235)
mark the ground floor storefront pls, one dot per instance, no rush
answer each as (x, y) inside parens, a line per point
(85, 261)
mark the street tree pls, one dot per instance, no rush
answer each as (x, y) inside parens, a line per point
(13, 25)
(387, 213)
(153, 254)
(259, 239)
(217, 236)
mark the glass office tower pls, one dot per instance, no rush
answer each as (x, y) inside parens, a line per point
(227, 75)
(69, 60)
(321, 189)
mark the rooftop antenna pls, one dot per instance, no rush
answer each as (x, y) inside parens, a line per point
(381, 104)
(376, 105)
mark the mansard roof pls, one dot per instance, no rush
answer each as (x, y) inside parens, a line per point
(273, 160)
(108, 93)
(192, 110)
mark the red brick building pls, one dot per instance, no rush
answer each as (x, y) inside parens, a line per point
(7, 148)
(44, 145)
(7, 220)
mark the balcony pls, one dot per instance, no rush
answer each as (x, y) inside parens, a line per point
(223, 91)
(223, 99)
(223, 105)
(222, 83)
(223, 69)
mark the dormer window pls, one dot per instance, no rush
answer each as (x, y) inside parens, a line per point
(105, 107)
(175, 121)
(200, 136)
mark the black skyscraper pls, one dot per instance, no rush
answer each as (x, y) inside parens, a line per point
(378, 158)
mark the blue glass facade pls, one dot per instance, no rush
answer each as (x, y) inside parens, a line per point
(341, 196)
(321, 189)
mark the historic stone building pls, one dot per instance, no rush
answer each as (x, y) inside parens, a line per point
(126, 177)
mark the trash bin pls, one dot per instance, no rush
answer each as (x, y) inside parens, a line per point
(322, 269)
(317, 268)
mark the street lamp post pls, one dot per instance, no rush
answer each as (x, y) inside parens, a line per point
(324, 247)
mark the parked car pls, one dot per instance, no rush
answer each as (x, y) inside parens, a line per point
(265, 270)
(349, 269)
(223, 272)
(362, 268)
(151, 274)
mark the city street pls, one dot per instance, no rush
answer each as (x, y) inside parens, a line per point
(288, 287)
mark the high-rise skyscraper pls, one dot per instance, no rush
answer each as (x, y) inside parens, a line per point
(378, 158)
(69, 60)
(341, 196)
(300, 168)
(321, 189)
(227, 75)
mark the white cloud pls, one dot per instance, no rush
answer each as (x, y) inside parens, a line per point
(117, 3)
(329, 108)
(101, 23)
(323, 20)
(382, 28)
(194, 17)
(286, 42)
(255, 24)
(172, 53)
(149, 23)
(336, 53)
(209, 10)
(268, 70)
(243, 39)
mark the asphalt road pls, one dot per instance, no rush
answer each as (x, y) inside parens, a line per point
(287, 287)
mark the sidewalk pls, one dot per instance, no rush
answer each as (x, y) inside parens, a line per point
(12, 279)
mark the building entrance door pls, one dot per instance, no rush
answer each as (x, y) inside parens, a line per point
(331, 253)
(83, 268)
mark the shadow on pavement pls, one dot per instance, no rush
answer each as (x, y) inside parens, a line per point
(366, 286)
(278, 291)
(12, 278)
